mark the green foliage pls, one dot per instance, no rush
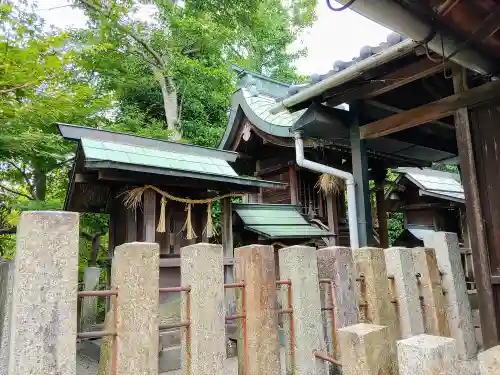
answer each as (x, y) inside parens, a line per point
(395, 226)
(125, 75)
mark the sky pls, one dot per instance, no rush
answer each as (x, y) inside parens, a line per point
(334, 35)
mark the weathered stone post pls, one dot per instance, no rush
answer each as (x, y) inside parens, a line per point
(457, 300)
(299, 265)
(375, 292)
(400, 268)
(336, 263)
(89, 304)
(365, 349)
(255, 265)
(425, 354)
(136, 274)
(489, 361)
(44, 301)
(431, 292)
(6, 289)
(202, 270)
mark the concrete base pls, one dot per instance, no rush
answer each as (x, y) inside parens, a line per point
(425, 354)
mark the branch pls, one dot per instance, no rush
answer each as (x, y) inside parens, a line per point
(130, 33)
(12, 230)
(31, 198)
(25, 176)
(2, 91)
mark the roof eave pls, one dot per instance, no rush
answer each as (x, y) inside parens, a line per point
(241, 181)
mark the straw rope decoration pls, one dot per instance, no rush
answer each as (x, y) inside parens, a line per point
(133, 199)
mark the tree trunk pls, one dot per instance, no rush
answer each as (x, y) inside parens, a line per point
(169, 100)
(40, 183)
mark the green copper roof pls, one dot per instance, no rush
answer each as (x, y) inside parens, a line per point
(104, 149)
(277, 221)
(123, 153)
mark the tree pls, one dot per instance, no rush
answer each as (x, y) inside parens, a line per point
(190, 48)
(39, 86)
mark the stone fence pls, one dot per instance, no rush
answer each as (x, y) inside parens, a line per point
(365, 311)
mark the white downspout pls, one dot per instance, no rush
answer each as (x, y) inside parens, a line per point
(349, 179)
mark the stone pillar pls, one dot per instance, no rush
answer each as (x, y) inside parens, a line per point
(202, 270)
(336, 263)
(6, 284)
(375, 296)
(135, 274)
(425, 354)
(299, 265)
(255, 265)
(457, 300)
(44, 312)
(489, 361)
(365, 350)
(89, 304)
(431, 292)
(400, 268)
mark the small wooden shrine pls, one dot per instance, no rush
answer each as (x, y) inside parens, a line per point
(430, 201)
(266, 140)
(155, 191)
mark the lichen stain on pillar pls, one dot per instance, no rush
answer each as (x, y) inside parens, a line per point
(44, 313)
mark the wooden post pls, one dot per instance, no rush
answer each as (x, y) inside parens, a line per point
(383, 232)
(478, 240)
(227, 245)
(360, 173)
(131, 225)
(333, 217)
(294, 193)
(149, 222)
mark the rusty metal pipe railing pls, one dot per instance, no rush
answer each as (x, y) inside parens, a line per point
(163, 327)
(185, 324)
(331, 309)
(325, 357)
(176, 289)
(94, 334)
(97, 293)
(100, 334)
(289, 310)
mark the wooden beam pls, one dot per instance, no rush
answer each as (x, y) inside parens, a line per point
(431, 112)
(390, 108)
(475, 218)
(421, 69)
(333, 217)
(131, 225)
(294, 190)
(149, 222)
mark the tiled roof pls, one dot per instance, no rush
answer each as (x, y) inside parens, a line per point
(434, 183)
(365, 52)
(277, 221)
(124, 153)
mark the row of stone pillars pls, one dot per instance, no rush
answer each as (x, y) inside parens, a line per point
(39, 326)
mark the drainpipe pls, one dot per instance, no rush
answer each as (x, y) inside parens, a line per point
(348, 177)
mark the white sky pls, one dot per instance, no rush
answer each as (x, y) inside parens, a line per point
(334, 35)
